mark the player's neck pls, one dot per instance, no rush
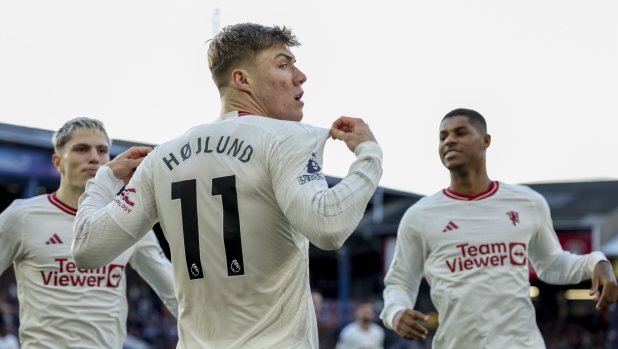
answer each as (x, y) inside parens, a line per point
(470, 182)
(230, 103)
(364, 326)
(69, 195)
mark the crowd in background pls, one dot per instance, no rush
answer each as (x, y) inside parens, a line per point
(151, 322)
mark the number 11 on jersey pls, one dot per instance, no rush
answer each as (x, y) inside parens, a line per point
(186, 192)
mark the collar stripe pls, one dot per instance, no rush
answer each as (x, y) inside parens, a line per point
(493, 188)
(61, 205)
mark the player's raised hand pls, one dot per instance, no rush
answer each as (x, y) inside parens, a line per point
(603, 275)
(123, 166)
(352, 131)
(405, 324)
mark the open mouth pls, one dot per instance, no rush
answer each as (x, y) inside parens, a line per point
(299, 96)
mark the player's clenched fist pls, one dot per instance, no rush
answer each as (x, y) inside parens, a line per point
(123, 166)
(352, 131)
(405, 324)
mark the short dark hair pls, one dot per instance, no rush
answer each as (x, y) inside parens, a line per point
(364, 301)
(241, 43)
(475, 118)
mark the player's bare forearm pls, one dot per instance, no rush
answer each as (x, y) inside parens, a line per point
(604, 276)
(352, 131)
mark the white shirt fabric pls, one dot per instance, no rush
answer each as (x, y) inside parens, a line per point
(473, 251)
(9, 342)
(239, 201)
(353, 336)
(60, 305)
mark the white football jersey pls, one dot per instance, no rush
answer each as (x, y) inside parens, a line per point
(353, 336)
(239, 201)
(60, 305)
(9, 342)
(474, 253)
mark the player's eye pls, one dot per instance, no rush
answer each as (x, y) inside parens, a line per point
(283, 66)
(80, 149)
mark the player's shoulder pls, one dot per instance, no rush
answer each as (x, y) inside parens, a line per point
(282, 129)
(22, 206)
(520, 190)
(434, 200)
(377, 329)
(349, 328)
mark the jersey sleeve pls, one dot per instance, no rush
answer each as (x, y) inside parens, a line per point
(151, 264)
(406, 270)
(10, 237)
(552, 264)
(325, 216)
(107, 223)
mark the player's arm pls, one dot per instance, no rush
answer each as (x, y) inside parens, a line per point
(10, 237)
(403, 279)
(152, 265)
(556, 266)
(325, 216)
(108, 224)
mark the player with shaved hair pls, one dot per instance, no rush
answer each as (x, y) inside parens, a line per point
(239, 200)
(62, 305)
(472, 241)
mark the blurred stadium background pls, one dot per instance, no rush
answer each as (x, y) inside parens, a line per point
(585, 217)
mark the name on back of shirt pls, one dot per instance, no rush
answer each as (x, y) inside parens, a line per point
(237, 149)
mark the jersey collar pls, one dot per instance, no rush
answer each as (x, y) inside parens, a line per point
(61, 205)
(493, 188)
(234, 114)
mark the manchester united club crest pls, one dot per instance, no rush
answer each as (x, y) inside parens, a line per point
(513, 216)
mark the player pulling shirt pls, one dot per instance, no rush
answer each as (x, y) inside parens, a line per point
(62, 306)
(473, 251)
(239, 200)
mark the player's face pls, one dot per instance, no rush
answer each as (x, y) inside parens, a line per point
(278, 85)
(461, 144)
(81, 157)
(365, 312)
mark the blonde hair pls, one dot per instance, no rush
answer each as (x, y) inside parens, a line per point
(65, 133)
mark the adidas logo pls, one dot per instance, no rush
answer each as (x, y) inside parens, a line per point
(450, 226)
(55, 239)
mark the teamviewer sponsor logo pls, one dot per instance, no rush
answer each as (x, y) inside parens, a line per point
(487, 255)
(517, 252)
(68, 275)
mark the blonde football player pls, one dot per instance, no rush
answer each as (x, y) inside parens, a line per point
(239, 200)
(62, 305)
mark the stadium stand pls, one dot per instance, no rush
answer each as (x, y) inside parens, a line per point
(585, 215)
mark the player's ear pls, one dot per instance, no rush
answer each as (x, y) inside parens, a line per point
(56, 161)
(487, 140)
(240, 79)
